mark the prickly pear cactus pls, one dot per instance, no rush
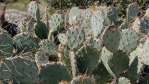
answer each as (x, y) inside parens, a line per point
(25, 43)
(48, 47)
(96, 23)
(19, 71)
(41, 30)
(34, 11)
(6, 45)
(74, 15)
(144, 53)
(125, 25)
(66, 58)
(144, 25)
(111, 38)
(85, 56)
(112, 13)
(118, 62)
(30, 28)
(83, 80)
(41, 58)
(56, 23)
(85, 18)
(129, 40)
(101, 74)
(132, 11)
(135, 66)
(53, 73)
(97, 43)
(105, 55)
(75, 37)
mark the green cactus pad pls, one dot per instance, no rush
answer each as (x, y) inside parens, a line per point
(82, 80)
(119, 22)
(56, 23)
(125, 25)
(41, 58)
(6, 45)
(53, 73)
(129, 40)
(75, 37)
(123, 80)
(135, 66)
(111, 38)
(41, 30)
(97, 43)
(34, 11)
(87, 59)
(19, 71)
(144, 25)
(48, 47)
(29, 28)
(25, 43)
(132, 11)
(118, 62)
(66, 58)
(74, 15)
(105, 55)
(144, 54)
(85, 18)
(96, 23)
(112, 13)
(101, 74)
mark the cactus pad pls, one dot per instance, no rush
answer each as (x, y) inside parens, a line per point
(112, 14)
(75, 37)
(19, 71)
(48, 47)
(96, 23)
(41, 30)
(25, 42)
(97, 43)
(105, 55)
(6, 45)
(101, 74)
(74, 15)
(118, 62)
(41, 58)
(56, 23)
(53, 73)
(34, 11)
(111, 38)
(132, 11)
(144, 25)
(85, 56)
(144, 53)
(129, 40)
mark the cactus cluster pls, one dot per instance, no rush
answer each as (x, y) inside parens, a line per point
(80, 46)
